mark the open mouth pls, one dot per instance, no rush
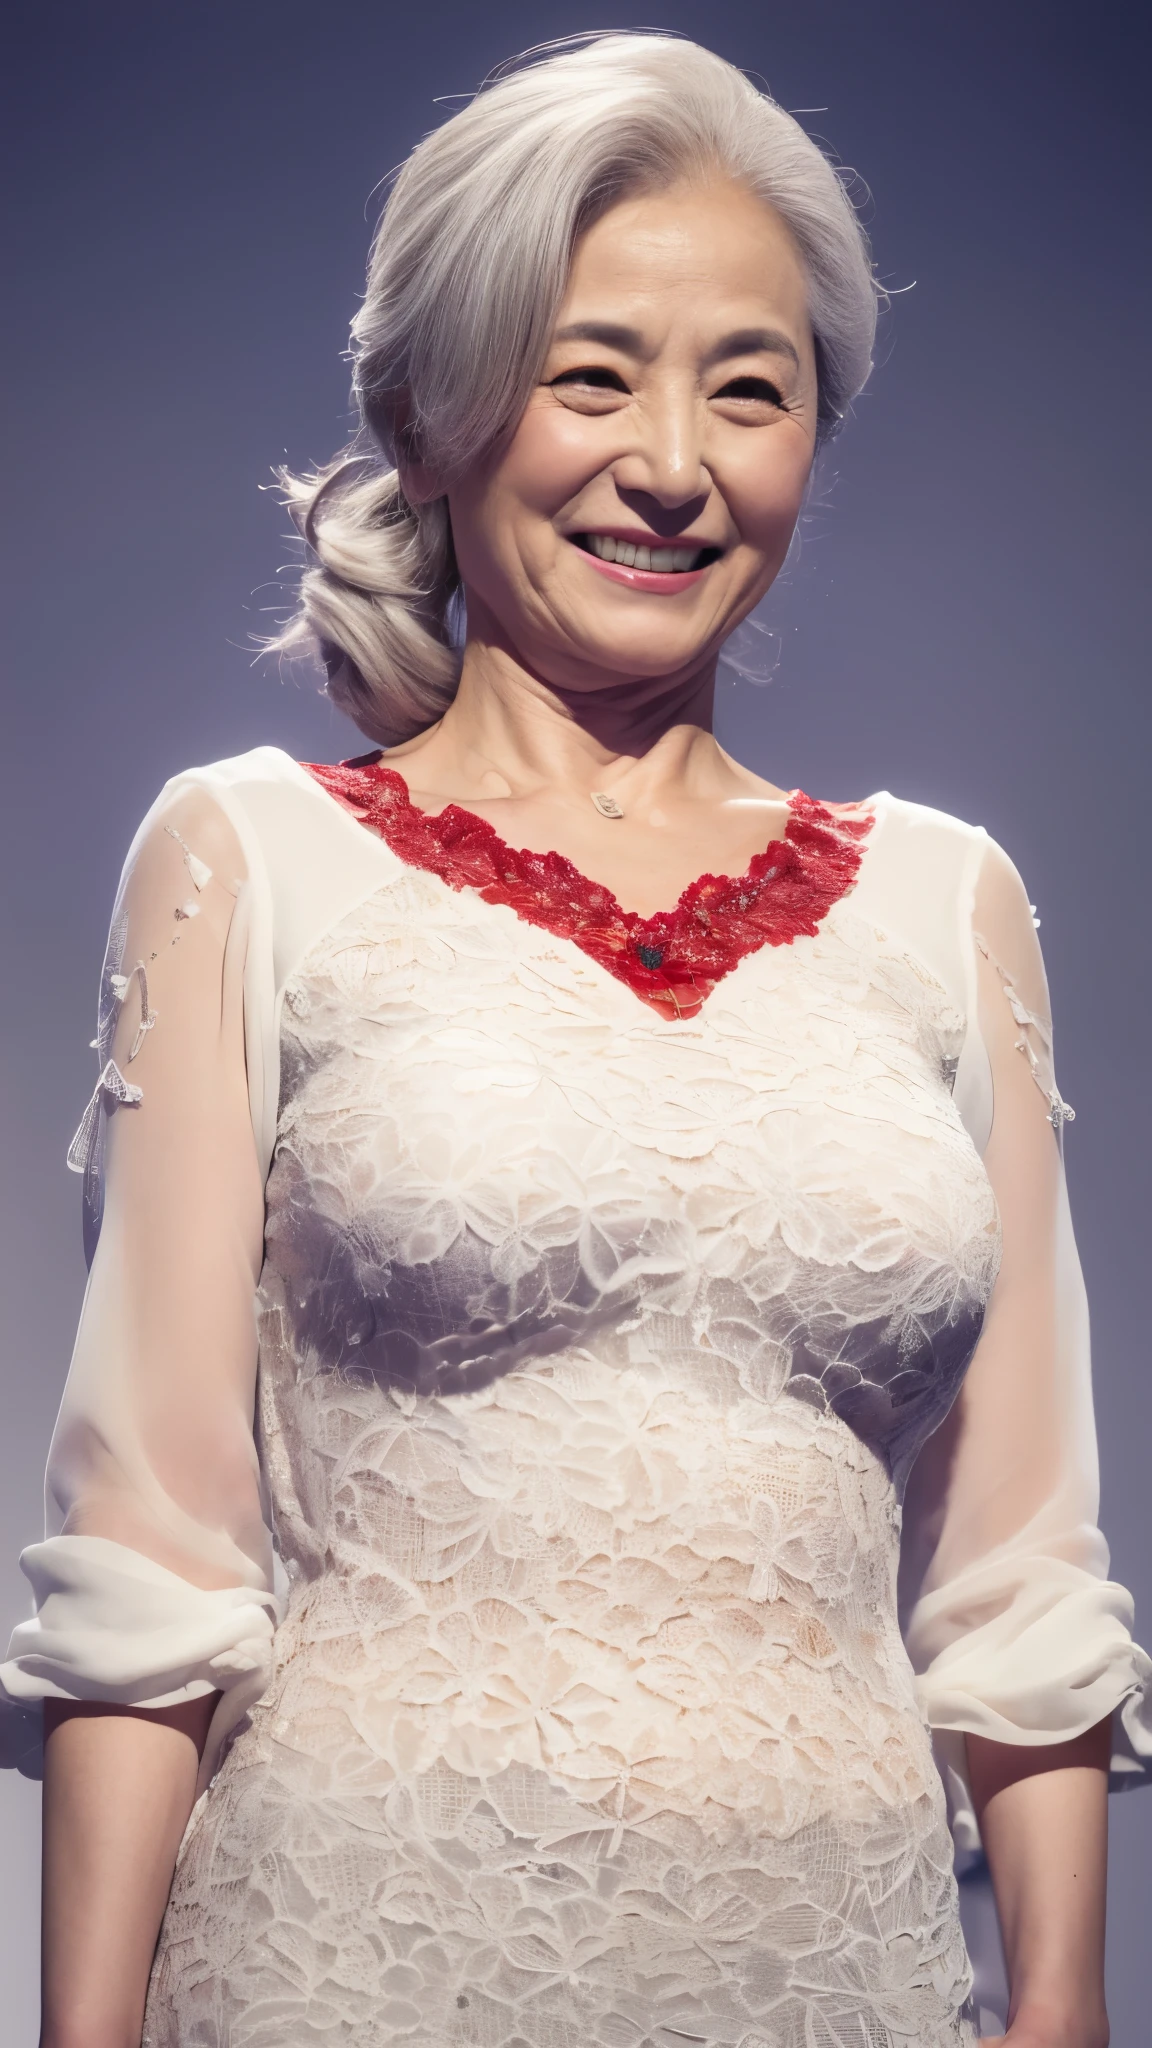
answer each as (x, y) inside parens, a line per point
(626, 554)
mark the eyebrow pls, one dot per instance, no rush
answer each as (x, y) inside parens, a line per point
(746, 341)
(627, 339)
(750, 341)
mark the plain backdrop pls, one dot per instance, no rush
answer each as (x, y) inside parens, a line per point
(188, 199)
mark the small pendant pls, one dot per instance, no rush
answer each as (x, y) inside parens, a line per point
(606, 805)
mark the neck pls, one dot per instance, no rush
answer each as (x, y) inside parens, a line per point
(508, 732)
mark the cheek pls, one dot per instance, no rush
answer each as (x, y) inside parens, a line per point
(496, 513)
(501, 520)
(553, 456)
(766, 491)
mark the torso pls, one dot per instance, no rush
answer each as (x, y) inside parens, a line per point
(597, 1339)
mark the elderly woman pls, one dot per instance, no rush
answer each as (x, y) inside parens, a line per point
(649, 1186)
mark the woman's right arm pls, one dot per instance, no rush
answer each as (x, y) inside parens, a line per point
(155, 1609)
(119, 1783)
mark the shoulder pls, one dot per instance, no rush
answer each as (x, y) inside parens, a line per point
(918, 864)
(307, 858)
(918, 880)
(263, 815)
(244, 779)
(233, 810)
(277, 810)
(920, 826)
(952, 848)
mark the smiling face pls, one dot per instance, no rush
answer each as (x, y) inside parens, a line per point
(647, 498)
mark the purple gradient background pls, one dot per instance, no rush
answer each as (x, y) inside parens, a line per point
(965, 621)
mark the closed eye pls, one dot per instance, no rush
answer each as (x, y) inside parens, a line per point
(759, 389)
(596, 375)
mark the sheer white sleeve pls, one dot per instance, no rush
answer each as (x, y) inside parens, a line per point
(1014, 1628)
(155, 1581)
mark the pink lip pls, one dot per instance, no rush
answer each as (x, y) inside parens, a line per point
(662, 582)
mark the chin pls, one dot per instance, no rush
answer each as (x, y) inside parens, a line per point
(645, 642)
(639, 654)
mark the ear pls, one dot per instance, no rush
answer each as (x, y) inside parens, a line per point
(417, 478)
(418, 482)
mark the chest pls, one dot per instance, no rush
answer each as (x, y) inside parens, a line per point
(423, 1000)
(489, 1150)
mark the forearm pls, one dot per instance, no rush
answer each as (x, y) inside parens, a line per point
(1043, 1819)
(118, 1788)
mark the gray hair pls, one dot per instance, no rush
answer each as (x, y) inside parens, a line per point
(467, 273)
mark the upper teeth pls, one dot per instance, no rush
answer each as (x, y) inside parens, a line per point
(632, 557)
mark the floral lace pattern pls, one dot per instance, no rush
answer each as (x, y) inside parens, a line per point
(594, 1346)
(673, 959)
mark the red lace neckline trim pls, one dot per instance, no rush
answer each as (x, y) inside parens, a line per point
(672, 960)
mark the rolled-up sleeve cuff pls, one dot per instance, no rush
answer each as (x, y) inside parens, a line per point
(1053, 1657)
(114, 1627)
(1048, 1665)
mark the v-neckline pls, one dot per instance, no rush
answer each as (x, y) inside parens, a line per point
(673, 959)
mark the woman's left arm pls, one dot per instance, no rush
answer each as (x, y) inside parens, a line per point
(1043, 1818)
(1020, 1641)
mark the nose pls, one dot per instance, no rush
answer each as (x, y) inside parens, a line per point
(663, 474)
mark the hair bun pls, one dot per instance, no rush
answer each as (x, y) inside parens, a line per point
(374, 600)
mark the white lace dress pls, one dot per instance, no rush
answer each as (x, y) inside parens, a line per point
(611, 1277)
